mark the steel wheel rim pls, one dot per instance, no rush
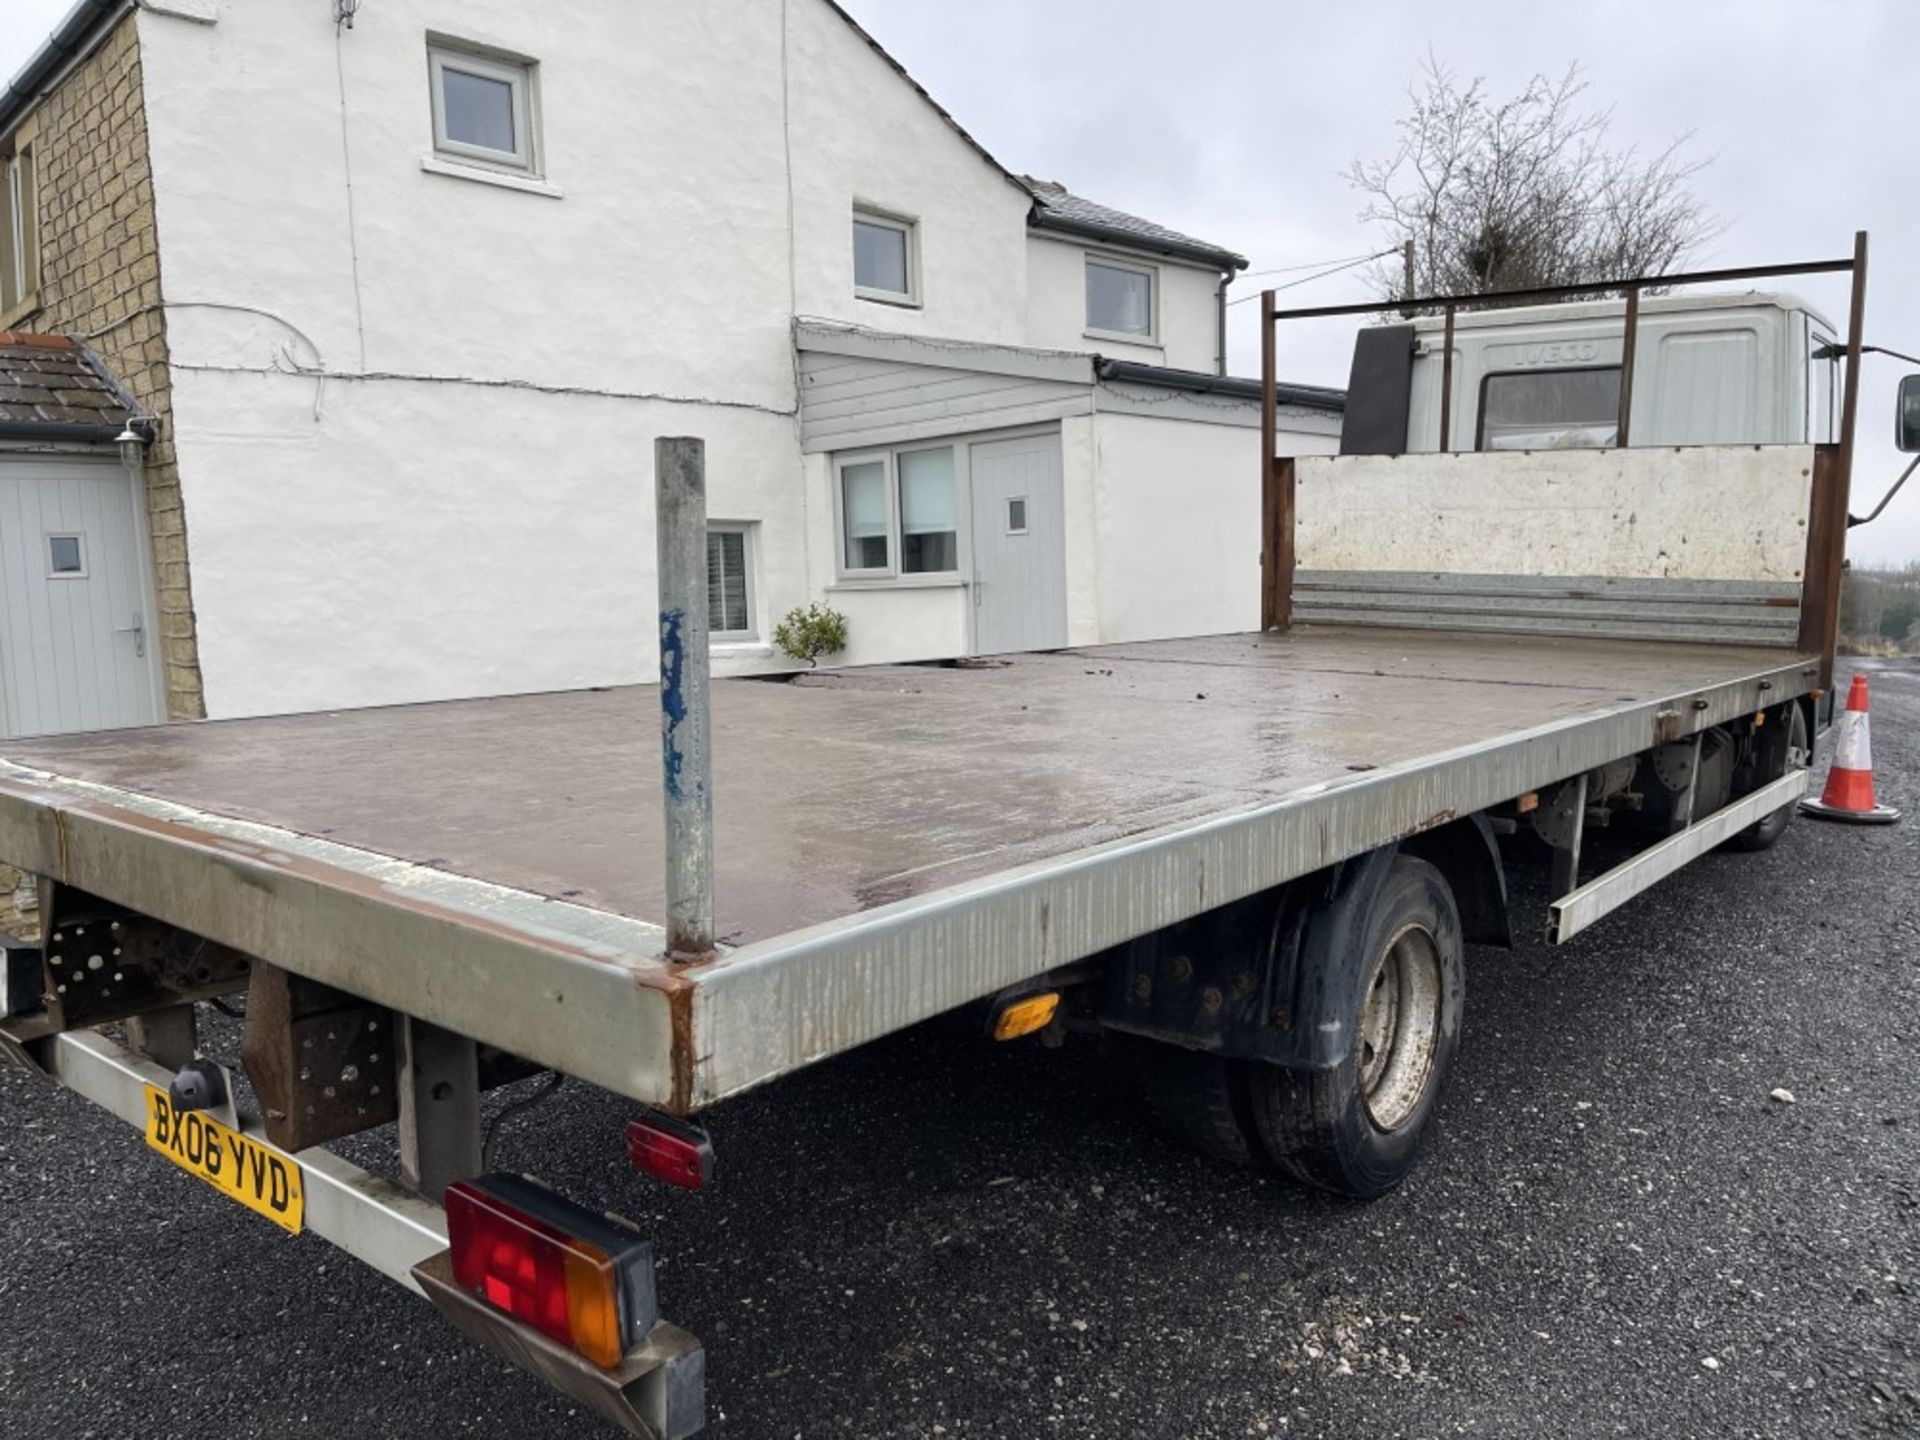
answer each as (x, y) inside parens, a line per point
(1399, 1027)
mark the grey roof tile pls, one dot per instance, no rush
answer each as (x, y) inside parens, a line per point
(52, 380)
(1057, 208)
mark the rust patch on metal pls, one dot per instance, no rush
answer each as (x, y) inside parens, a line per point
(1432, 822)
(681, 966)
(680, 1061)
(321, 1061)
(1826, 551)
(1278, 510)
(102, 962)
(678, 985)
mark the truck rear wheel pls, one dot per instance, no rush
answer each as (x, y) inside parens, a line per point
(1356, 1127)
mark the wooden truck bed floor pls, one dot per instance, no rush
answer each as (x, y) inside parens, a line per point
(908, 836)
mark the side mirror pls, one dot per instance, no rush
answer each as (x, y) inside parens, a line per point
(1906, 416)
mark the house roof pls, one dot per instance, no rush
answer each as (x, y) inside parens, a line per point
(1054, 207)
(1071, 367)
(921, 90)
(1057, 208)
(54, 388)
(69, 38)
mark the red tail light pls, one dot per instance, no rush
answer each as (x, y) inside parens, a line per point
(670, 1150)
(582, 1279)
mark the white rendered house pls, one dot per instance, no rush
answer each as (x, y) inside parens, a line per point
(416, 293)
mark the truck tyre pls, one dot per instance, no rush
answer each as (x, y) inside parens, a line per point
(1201, 1100)
(1355, 1128)
(1770, 762)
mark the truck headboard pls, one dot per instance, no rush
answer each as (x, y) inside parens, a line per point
(1704, 543)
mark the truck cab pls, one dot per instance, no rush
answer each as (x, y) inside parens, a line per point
(1750, 368)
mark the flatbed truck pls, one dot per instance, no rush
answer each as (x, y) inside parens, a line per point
(1257, 857)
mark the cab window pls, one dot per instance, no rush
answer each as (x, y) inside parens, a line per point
(1550, 409)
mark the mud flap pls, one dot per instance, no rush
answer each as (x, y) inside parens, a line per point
(1262, 979)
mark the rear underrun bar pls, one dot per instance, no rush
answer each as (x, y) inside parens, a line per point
(373, 1220)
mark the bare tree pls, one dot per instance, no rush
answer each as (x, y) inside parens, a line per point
(1527, 191)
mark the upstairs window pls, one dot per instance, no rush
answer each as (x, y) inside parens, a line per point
(1550, 409)
(884, 262)
(19, 232)
(482, 109)
(1120, 300)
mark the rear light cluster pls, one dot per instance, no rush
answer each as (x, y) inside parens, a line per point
(670, 1150)
(582, 1279)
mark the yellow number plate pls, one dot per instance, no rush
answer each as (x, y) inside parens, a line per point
(263, 1180)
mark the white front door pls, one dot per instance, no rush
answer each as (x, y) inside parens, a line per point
(75, 618)
(1019, 546)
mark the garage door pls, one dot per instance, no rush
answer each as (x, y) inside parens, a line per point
(75, 619)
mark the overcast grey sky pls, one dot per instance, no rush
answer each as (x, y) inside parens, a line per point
(1233, 121)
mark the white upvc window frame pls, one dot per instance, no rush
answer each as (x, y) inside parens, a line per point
(20, 199)
(1090, 258)
(17, 230)
(79, 539)
(909, 228)
(891, 487)
(891, 574)
(518, 73)
(745, 530)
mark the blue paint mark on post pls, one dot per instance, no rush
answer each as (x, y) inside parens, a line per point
(686, 762)
(673, 702)
(671, 699)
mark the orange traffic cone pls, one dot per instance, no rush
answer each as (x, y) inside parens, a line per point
(1849, 792)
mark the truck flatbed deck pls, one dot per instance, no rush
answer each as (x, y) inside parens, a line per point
(890, 842)
(1256, 859)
